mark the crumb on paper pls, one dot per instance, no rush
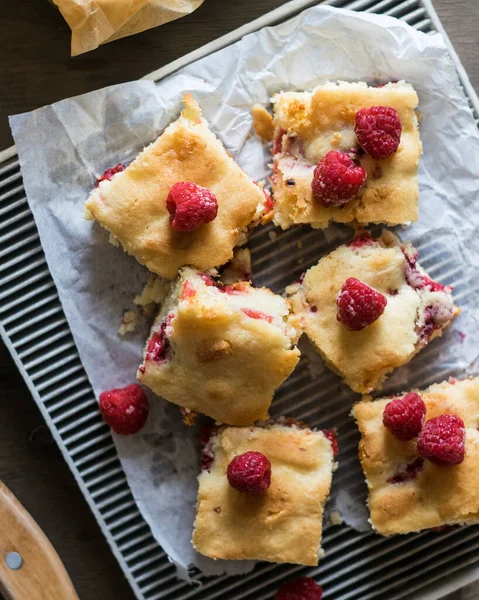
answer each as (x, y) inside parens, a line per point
(336, 518)
(300, 259)
(262, 123)
(273, 236)
(299, 244)
(239, 268)
(129, 322)
(113, 240)
(154, 292)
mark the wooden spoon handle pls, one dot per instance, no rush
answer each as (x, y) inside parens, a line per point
(41, 575)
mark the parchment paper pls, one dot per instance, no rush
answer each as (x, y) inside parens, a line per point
(95, 22)
(62, 146)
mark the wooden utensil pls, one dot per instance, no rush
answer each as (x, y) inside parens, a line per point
(30, 569)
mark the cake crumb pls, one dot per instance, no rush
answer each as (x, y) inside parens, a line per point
(239, 268)
(336, 518)
(129, 322)
(273, 236)
(189, 416)
(293, 288)
(262, 123)
(299, 244)
(154, 292)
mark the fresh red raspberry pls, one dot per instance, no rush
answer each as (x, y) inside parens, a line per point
(109, 173)
(332, 436)
(125, 409)
(404, 417)
(190, 206)
(337, 179)
(378, 130)
(359, 305)
(442, 440)
(249, 473)
(301, 588)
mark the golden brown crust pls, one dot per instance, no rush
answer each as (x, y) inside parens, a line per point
(323, 120)
(133, 205)
(364, 358)
(283, 525)
(223, 363)
(438, 495)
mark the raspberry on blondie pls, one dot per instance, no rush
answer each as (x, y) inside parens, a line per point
(151, 208)
(346, 152)
(429, 481)
(366, 326)
(221, 350)
(283, 521)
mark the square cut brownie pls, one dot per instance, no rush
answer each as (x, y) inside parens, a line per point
(368, 307)
(184, 173)
(408, 491)
(346, 152)
(262, 492)
(220, 350)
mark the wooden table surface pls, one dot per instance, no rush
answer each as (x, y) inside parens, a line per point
(36, 69)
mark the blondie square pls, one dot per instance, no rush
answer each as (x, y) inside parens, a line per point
(417, 309)
(408, 493)
(308, 125)
(284, 523)
(132, 205)
(220, 350)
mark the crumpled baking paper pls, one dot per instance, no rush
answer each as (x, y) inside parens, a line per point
(95, 22)
(62, 146)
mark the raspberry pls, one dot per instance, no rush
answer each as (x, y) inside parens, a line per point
(188, 290)
(109, 173)
(249, 473)
(301, 588)
(359, 305)
(190, 206)
(363, 239)
(331, 435)
(337, 179)
(124, 409)
(442, 440)
(256, 314)
(209, 281)
(158, 345)
(378, 130)
(404, 417)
